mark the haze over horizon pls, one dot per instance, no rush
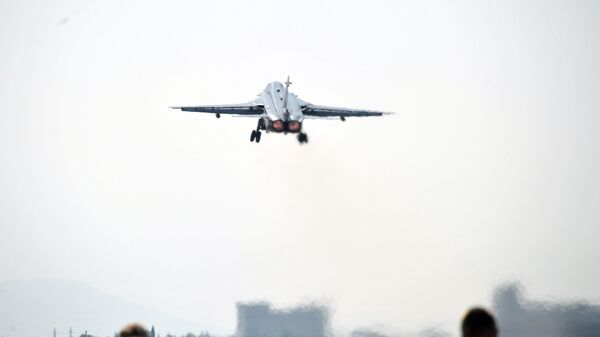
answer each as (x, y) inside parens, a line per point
(487, 173)
(35, 308)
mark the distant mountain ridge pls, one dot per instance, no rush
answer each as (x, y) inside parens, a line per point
(34, 308)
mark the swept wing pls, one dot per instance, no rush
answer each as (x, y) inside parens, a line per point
(321, 111)
(251, 109)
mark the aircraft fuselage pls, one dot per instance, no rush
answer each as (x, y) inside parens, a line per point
(284, 114)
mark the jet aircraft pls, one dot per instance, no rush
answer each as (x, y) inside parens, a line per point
(281, 111)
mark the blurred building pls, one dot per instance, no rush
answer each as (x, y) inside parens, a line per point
(519, 317)
(260, 320)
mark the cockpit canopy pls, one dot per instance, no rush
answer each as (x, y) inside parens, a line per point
(275, 87)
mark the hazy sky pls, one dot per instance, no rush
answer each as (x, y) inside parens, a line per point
(487, 173)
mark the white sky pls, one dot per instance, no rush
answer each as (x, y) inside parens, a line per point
(488, 172)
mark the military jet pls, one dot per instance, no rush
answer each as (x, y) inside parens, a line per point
(281, 111)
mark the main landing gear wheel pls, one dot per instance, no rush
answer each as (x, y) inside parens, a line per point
(302, 138)
(255, 136)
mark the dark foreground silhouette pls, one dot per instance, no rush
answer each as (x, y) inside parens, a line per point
(478, 322)
(134, 330)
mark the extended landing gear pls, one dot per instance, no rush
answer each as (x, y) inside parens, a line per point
(255, 135)
(302, 138)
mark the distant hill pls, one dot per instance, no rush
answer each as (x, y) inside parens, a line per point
(34, 308)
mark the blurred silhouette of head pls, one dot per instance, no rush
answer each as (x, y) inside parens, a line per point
(134, 330)
(479, 322)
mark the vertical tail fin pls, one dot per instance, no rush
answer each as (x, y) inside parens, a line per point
(285, 99)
